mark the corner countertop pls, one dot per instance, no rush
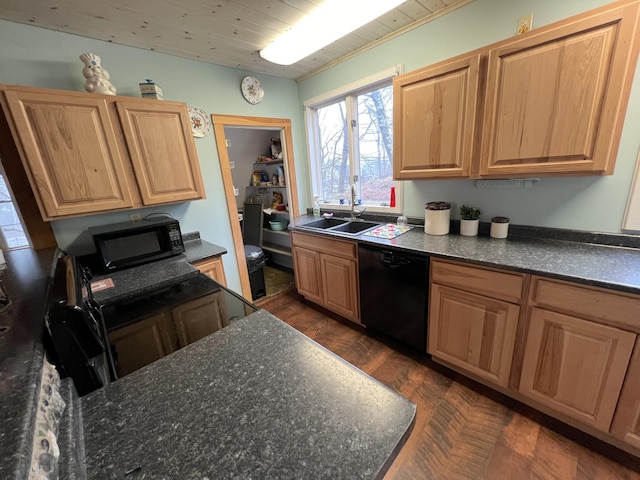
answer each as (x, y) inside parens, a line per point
(256, 399)
(26, 281)
(605, 266)
(133, 281)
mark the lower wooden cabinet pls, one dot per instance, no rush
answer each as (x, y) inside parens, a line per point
(149, 339)
(473, 332)
(473, 319)
(308, 274)
(197, 319)
(141, 343)
(326, 272)
(212, 268)
(567, 349)
(575, 366)
(626, 422)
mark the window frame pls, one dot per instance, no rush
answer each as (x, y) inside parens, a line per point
(347, 92)
(3, 241)
(631, 219)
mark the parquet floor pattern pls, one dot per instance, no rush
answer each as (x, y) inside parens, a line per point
(463, 430)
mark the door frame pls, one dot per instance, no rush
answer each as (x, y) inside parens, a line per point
(220, 122)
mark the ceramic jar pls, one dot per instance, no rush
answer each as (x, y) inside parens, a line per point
(499, 227)
(436, 218)
(469, 228)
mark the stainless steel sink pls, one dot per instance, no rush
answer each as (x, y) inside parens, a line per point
(325, 223)
(355, 227)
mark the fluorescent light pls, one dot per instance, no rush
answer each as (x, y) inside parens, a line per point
(326, 24)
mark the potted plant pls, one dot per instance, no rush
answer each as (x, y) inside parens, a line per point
(469, 220)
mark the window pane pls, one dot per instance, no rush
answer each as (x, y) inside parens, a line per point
(375, 128)
(334, 152)
(12, 231)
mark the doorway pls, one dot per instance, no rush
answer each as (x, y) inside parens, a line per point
(226, 126)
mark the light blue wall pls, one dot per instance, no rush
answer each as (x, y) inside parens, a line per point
(44, 58)
(582, 203)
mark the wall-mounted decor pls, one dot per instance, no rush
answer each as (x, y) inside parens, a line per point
(252, 90)
(200, 123)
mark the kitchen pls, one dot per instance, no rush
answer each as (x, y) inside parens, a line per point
(581, 203)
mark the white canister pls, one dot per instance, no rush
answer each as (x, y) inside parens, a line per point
(436, 218)
(499, 227)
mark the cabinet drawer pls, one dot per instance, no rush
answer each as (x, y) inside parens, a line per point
(496, 284)
(340, 248)
(614, 309)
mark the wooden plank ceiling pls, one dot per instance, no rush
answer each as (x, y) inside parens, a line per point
(224, 32)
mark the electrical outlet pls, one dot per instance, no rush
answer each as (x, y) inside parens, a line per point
(507, 183)
(525, 24)
(134, 217)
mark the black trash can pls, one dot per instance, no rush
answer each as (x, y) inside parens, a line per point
(256, 261)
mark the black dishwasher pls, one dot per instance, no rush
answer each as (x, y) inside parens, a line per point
(394, 289)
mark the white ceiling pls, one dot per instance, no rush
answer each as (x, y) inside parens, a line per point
(224, 32)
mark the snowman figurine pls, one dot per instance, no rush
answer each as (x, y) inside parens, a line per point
(97, 78)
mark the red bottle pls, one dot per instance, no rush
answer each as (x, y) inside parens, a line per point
(392, 202)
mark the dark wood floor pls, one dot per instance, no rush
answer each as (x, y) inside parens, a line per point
(462, 430)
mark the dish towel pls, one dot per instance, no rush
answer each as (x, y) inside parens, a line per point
(389, 230)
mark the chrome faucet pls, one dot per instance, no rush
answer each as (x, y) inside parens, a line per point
(355, 213)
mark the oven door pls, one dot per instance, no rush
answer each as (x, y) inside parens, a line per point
(76, 348)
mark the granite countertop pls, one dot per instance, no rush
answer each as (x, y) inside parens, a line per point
(599, 265)
(256, 399)
(26, 281)
(133, 281)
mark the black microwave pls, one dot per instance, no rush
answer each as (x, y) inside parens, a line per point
(126, 244)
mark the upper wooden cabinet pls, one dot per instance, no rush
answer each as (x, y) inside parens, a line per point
(70, 151)
(434, 119)
(86, 153)
(556, 99)
(162, 151)
(550, 102)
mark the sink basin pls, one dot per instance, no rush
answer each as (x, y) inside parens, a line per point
(325, 223)
(354, 227)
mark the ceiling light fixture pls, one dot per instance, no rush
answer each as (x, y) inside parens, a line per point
(326, 24)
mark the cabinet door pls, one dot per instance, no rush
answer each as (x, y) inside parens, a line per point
(214, 269)
(163, 154)
(626, 422)
(556, 99)
(308, 274)
(70, 152)
(575, 366)
(435, 120)
(197, 319)
(142, 343)
(472, 332)
(340, 286)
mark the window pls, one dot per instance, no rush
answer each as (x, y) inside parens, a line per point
(12, 234)
(350, 134)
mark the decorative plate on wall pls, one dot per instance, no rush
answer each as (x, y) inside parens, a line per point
(200, 124)
(252, 90)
